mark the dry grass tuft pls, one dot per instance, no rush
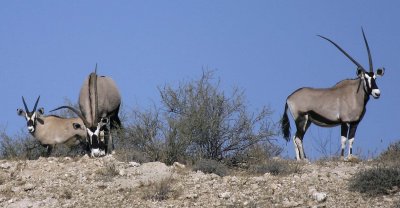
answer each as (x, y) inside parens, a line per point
(159, 191)
(211, 166)
(276, 167)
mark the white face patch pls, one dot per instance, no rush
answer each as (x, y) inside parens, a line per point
(97, 152)
(31, 129)
(368, 80)
(92, 133)
(376, 93)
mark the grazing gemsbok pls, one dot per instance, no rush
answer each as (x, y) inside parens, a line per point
(51, 130)
(99, 102)
(343, 104)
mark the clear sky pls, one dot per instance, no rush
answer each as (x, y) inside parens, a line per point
(267, 48)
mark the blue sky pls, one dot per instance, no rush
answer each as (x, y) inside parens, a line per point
(267, 48)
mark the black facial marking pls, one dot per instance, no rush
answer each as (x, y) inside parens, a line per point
(96, 142)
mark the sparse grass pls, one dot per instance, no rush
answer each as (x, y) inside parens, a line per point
(108, 172)
(128, 155)
(211, 166)
(159, 191)
(276, 167)
(379, 180)
(66, 194)
(391, 155)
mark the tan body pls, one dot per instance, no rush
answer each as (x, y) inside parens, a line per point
(57, 130)
(330, 106)
(52, 130)
(109, 99)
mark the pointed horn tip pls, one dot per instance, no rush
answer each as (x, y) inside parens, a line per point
(26, 107)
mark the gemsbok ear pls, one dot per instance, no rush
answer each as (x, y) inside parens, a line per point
(21, 112)
(41, 111)
(360, 72)
(380, 71)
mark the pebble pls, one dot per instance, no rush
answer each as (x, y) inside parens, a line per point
(225, 195)
(134, 164)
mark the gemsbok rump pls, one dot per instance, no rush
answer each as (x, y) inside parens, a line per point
(51, 130)
(343, 104)
(99, 102)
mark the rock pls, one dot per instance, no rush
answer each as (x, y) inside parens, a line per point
(192, 196)
(177, 165)
(134, 164)
(319, 196)
(225, 195)
(29, 186)
(16, 189)
(5, 165)
(122, 172)
(287, 203)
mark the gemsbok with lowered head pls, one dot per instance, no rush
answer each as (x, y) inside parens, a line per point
(343, 104)
(52, 130)
(99, 103)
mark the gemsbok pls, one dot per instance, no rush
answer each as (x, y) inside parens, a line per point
(51, 130)
(343, 104)
(99, 102)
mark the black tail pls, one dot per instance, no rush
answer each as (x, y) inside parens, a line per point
(115, 121)
(285, 125)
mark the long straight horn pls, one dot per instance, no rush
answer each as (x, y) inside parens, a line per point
(76, 112)
(96, 95)
(37, 101)
(371, 68)
(344, 52)
(26, 107)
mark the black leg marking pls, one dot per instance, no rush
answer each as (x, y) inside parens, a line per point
(344, 133)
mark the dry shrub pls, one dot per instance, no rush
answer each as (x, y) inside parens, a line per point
(108, 172)
(203, 121)
(391, 155)
(379, 180)
(21, 146)
(211, 166)
(159, 191)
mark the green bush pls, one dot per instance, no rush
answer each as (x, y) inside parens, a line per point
(376, 181)
(211, 166)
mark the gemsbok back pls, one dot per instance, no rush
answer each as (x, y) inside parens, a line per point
(51, 130)
(99, 102)
(343, 104)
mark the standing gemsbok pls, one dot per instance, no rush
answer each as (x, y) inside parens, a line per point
(343, 104)
(51, 130)
(99, 102)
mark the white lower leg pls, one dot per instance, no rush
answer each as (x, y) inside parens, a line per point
(296, 148)
(351, 146)
(343, 142)
(300, 151)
